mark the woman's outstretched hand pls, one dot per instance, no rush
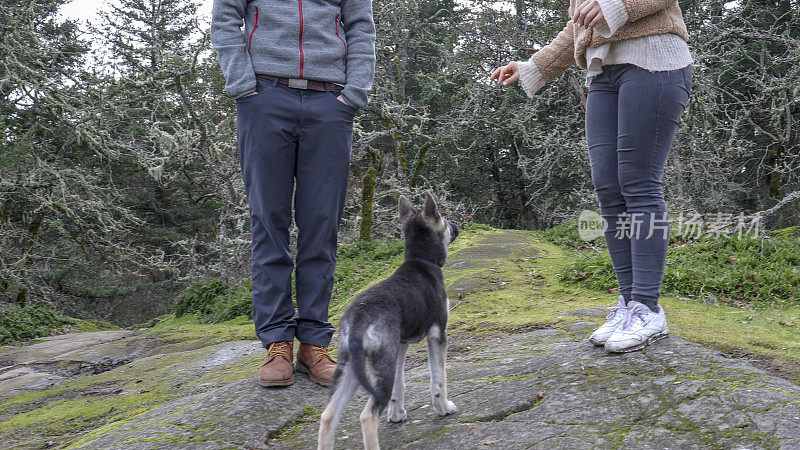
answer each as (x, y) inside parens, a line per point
(588, 14)
(506, 75)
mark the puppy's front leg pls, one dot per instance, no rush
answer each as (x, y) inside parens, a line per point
(437, 355)
(397, 405)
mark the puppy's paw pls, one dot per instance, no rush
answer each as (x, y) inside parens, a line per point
(397, 415)
(444, 408)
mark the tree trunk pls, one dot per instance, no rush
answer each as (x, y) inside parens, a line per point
(367, 195)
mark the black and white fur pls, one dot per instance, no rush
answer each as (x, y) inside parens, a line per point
(385, 319)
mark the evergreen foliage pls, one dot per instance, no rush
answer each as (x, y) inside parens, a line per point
(119, 166)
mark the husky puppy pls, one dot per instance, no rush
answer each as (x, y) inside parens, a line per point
(385, 319)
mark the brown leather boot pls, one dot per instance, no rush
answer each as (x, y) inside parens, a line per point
(317, 363)
(277, 369)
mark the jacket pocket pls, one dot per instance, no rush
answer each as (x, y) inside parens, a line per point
(344, 58)
(255, 27)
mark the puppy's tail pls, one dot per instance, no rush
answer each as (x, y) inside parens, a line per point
(358, 365)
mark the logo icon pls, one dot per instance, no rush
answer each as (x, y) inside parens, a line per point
(591, 225)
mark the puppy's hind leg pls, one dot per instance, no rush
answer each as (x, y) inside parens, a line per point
(397, 406)
(382, 363)
(345, 385)
(437, 356)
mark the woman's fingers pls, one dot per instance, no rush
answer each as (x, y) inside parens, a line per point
(589, 17)
(510, 74)
(577, 14)
(581, 12)
(503, 74)
(506, 75)
(597, 19)
(587, 13)
(511, 79)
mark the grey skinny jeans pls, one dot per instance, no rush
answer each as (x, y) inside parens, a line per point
(631, 118)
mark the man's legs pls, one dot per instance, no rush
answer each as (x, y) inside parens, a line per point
(266, 129)
(323, 163)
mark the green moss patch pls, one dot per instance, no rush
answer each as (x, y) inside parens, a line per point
(519, 289)
(499, 282)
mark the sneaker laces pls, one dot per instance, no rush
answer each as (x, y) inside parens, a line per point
(637, 312)
(277, 349)
(614, 311)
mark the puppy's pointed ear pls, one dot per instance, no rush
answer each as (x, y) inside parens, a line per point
(431, 211)
(404, 208)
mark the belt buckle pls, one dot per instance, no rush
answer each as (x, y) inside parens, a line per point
(298, 83)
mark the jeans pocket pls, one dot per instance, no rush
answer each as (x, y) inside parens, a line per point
(671, 77)
(262, 85)
(688, 78)
(347, 106)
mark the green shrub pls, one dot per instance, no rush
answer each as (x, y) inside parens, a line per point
(237, 303)
(362, 263)
(214, 301)
(733, 270)
(566, 235)
(357, 266)
(29, 322)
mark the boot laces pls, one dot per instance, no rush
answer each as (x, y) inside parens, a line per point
(322, 352)
(277, 348)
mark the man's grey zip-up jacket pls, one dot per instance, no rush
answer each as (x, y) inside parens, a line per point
(323, 40)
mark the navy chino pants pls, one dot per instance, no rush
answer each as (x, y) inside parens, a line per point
(293, 141)
(632, 116)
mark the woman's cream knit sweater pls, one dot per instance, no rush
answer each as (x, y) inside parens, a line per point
(633, 31)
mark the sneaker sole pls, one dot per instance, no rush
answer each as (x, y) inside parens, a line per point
(597, 343)
(302, 368)
(276, 383)
(654, 338)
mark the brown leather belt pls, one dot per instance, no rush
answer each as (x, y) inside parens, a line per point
(303, 84)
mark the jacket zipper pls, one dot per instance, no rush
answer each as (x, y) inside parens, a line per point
(300, 8)
(255, 27)
(344, 58)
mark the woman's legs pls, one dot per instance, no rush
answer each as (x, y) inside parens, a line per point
(650, 107)
(601, 137)
(631, 119)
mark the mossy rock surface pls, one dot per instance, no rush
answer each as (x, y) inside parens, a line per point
(520, 369)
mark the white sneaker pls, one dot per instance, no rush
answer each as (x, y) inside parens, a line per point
(641, 328)
(614, 319)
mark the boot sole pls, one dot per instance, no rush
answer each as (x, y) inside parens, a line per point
(276, 383)
(302, 368)
(654, 338)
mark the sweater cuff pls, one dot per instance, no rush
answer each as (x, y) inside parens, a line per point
(355, 97)
(530, 77)
(615, 15)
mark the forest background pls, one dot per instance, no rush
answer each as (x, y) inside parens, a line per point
(119, 175)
